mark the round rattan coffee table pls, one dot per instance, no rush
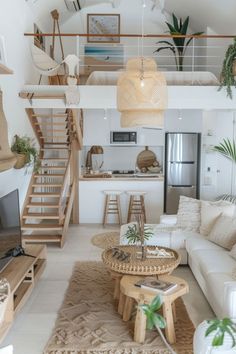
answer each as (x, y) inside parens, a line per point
(135, 266)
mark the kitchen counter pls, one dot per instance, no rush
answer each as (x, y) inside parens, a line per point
(92, 197)
(123, 177)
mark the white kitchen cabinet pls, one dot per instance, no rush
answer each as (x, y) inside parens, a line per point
(92, 198)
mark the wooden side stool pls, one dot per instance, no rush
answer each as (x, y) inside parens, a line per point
(132, 293)
(112, 205)
(136, 205)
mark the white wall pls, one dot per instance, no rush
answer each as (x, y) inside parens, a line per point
(216, 169)
(15, 19)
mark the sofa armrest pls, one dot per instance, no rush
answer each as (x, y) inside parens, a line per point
(230, 299)
(168, 219)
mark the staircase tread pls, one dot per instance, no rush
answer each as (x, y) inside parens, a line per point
(55, 148)
(49, 238)
(41, 227)
(44, 194)
(48, 185)
(41, 216)
(42, 205)
(40, 175)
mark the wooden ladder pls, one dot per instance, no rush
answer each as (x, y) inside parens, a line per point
(52, 192)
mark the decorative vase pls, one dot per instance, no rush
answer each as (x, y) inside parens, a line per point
(7, 158)
(21, 160)
(202, 344)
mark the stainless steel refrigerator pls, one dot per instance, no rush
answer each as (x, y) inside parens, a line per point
(182, 168)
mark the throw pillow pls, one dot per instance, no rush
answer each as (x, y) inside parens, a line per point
(188, 216)
(210, 211)
(223, 232)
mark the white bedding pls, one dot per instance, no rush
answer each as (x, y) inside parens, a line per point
(185, 78)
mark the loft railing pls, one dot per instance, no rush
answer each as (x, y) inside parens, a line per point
(205, 53)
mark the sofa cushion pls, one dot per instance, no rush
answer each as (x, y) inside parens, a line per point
(199, 242)
(222, 290)
(214, 261)
(223, 232)
(210, 211)
(188, 216)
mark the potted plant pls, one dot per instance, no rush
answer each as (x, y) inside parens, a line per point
(228, 150)
(25, 152)
(215, 337)
(139, 233)
(155, 320)
(228, 72)
(180, 44)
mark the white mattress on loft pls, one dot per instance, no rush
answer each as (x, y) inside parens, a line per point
(173, 78)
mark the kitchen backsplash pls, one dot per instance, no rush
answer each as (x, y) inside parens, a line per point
(122, 157)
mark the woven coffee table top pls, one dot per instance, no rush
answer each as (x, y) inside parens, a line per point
(135, 266)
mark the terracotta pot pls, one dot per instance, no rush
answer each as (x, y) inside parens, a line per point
(21, 160)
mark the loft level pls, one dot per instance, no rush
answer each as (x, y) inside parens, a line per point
(100, 97)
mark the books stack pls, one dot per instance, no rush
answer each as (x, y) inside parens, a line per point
(156, 285)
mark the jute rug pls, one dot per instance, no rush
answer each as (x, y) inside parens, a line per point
(88, 322)
(106, 239)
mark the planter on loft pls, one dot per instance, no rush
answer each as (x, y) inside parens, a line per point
(7, 158)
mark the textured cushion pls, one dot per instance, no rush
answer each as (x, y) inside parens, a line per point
(223, 232)
(210, 211)
(188, 216)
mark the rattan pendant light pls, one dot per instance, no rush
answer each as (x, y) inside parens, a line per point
(142, 94)
(142, 91)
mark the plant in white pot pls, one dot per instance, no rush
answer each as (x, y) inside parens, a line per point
(215, 337)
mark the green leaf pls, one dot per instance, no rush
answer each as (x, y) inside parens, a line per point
(158, 320)
(156, 303)
(150, 323)
(184, 28)
(218, 339)
(213, 327)
(175, 23)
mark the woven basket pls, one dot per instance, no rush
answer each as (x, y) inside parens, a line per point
(21, 161)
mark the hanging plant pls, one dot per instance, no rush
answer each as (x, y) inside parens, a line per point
(26, 152)
(228, 70)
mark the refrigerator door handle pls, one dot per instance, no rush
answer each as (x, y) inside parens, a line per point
(181, 186)
(183, 162)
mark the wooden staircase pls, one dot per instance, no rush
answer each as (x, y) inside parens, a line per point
(52, 194)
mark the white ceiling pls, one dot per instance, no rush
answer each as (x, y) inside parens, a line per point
(219, 15)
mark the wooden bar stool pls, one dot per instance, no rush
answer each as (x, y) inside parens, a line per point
(136, 205)
(112, 205)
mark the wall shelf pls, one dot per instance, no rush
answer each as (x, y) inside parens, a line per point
(4, 70)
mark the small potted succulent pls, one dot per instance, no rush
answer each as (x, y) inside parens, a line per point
(25, 152)
(228, 72)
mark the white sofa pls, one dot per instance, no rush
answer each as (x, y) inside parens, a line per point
(212, 265)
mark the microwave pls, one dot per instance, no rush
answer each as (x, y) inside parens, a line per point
(123, 137)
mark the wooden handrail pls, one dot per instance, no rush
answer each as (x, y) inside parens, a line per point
(130, 35)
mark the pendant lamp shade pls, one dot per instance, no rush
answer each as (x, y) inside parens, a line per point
(142, 94)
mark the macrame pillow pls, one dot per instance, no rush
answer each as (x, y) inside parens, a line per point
(188, 216)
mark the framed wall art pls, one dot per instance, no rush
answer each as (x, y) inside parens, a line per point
(100, 24)
(103, 58)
